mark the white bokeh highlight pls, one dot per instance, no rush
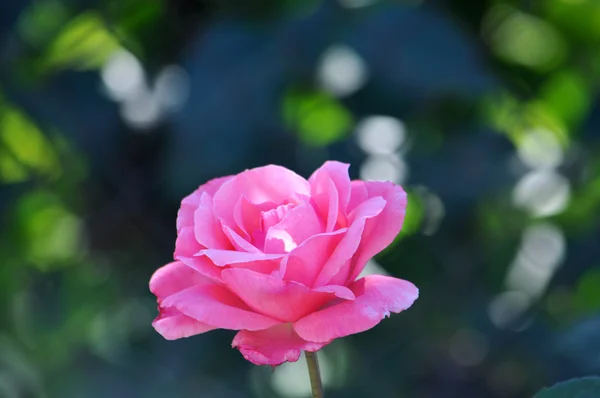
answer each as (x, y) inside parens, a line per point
(172, 88)
(341, 71)
(384, 168)
(540, 149)
(380, 135)
(542, 192)
(143, 106)
(123, 76)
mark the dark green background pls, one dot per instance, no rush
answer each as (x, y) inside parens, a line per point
(499, 103)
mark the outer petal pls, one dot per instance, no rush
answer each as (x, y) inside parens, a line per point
(230, 257)
(172, 325)
(216, 305)
(376, 297)
(304, 263)
(186, 244)
(326, 199)
(342, 254)
(168, 280)
(208, 268)
(286, 301)
(381, 230)
(337, 173)
(274, 184)
(207, 229)
(204, 266)
(173, 278)
(189, 204)
(273, 346)
(358, 194)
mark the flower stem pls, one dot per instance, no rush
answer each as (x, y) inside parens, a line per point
(315, 376)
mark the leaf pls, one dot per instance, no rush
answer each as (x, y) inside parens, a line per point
(84, 43)
(318, 117)
(586, 387)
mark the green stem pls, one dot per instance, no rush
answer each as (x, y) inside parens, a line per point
(315, 376)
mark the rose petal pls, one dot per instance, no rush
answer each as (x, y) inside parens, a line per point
(325, 198)
(271, 183)
(376, 297)
(172, 325)
(286, 301)
(274, 216)
(247, 216)
(381, 230)
(229, 257)
(207, 229)
(238, 242)
(269, 219)
(273, 346)
(189, 204)
(334, 207)
(266, 267)
(186, 244)
(340, 255)
(216, 305)
(166, 281)
(339, 291)
(352, 239)
(358, 194)
(297, 225)
(173, 278)
(204, 266)
(304, 263)
(368, 209)
(338, 173)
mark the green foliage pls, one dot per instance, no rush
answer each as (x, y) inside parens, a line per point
(516, 118)
(319, 119)
(24, 148)
(587, 295)
(415, 213)
(42, 21)
(50, 232)
(566, 94)
(586, 387)
(580, 19)
(544, 57)
(525, 39)
(84, 43)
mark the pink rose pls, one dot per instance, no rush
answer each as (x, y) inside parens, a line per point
(276, 257)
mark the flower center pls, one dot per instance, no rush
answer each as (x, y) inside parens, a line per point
(268, 219)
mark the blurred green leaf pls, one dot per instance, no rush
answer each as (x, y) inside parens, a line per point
(524, 39)
(587, 295)
(24, 147)
(415, 213)
(567, 95)
(584, 204)
(133, 14)
(11, 171)
(51, 233)
(318, 117)
(41, 21)
(586, 387)
(580, 18)
(413, 220)
(84, 43)
(517, 119)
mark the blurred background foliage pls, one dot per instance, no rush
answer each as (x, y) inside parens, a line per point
(486, 111)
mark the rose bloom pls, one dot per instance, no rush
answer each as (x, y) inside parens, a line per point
(277, 257)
